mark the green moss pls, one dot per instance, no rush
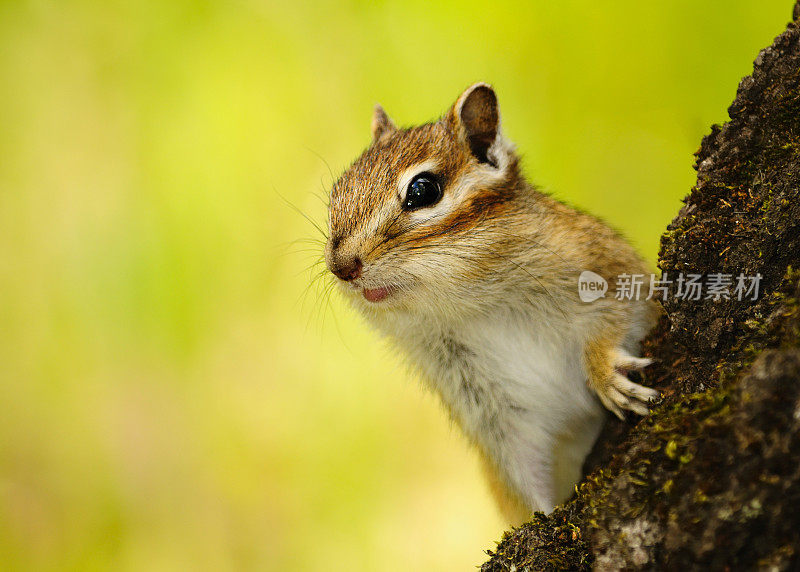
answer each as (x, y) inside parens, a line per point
(774, 326)
(546, 543)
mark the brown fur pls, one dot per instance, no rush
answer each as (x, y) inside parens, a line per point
(503, 241)
(508, 502)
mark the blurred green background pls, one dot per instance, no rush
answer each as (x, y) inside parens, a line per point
(170, 398)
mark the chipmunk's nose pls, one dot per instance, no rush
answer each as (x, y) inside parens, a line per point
(347, 270)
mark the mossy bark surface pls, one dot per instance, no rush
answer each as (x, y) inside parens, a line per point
(711, 479)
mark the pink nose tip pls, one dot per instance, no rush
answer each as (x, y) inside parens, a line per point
(349, 270)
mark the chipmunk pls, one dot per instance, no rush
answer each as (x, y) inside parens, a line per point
(439, 241)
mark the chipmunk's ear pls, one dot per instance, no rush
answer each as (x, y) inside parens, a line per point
(475, 117)
(381, 124)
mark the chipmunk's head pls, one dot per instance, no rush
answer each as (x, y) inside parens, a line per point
(412, 218)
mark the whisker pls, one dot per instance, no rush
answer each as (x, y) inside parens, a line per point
(310, 267)
(301, 213)
(321, 158)
(313, 283)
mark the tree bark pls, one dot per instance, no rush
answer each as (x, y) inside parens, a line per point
(711, 479)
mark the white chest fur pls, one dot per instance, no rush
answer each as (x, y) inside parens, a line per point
(518, 391)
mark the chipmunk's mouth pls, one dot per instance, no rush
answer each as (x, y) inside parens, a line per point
(377, 294)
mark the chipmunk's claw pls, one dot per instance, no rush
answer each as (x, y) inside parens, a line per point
(624, 362)
(620, 393)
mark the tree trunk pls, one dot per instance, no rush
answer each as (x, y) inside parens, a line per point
(711, 479)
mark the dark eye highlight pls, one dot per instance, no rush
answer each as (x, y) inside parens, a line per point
(423, 191)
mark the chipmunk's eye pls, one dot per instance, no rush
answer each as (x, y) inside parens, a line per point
(423, 191)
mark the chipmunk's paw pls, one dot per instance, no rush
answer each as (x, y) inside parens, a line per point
(618, 393)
